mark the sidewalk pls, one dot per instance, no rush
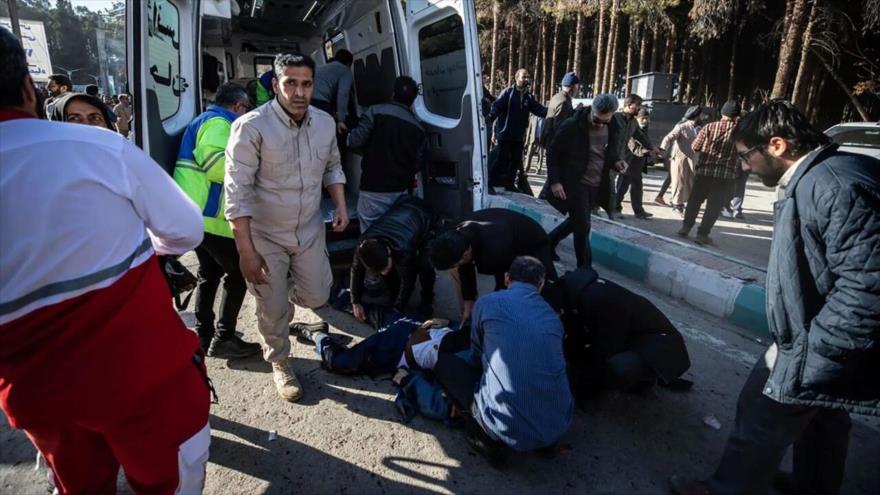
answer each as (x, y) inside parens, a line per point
(726, 280)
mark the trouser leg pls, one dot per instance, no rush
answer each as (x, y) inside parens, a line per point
(665, 186)
(820, 453)
(222, 250)
(635, 194)
(311, 274)
(739, 194)
(579, 218)
(273, 307)
(761, 434)
(372, 205)
(507, 164)
(699, 194)
(209, 275)
(80, 459)
(719, 194)
(623, 183)
(458, 378)
(427, 277)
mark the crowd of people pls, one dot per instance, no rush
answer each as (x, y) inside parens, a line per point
(99, 370)
(89, 107)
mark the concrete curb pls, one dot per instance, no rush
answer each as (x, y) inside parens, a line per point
(709, 290)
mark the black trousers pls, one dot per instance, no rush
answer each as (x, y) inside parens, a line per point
(218, 259)
(633, 183)
(510, 163)
(665, 186)
(716, 193)
(763, 431)
(579, 201)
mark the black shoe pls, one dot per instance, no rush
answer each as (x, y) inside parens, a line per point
(683, 232)
(490, 449)
(205, 343)
(308, 330)
(232, 347)
(739, 216)
(644, 215)
(704, 240)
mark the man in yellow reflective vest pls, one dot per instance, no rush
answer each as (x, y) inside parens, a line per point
(199, 171)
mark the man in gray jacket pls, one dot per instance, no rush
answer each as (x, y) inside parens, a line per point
(823, 304)
(277, 159)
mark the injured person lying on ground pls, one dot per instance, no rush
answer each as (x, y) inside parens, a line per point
(616, 339)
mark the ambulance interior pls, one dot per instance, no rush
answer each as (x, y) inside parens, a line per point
(242, 47)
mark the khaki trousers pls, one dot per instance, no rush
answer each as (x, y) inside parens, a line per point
(299, 275)
(681, 169)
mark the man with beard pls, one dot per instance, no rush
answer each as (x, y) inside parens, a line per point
(58, 86)
(823, 305)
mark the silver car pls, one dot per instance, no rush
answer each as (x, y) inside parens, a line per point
(857, 137)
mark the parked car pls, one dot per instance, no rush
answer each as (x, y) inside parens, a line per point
(857, 137)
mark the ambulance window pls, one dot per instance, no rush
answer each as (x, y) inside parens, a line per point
(444, 66)
(164, 41)
(263, 64)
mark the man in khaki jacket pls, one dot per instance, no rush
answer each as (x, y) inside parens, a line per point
(277, 159)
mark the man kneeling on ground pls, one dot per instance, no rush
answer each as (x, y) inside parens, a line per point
(632, 350)
(389, 256)
(515, 387)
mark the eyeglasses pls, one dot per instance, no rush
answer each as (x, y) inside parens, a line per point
(744, 155)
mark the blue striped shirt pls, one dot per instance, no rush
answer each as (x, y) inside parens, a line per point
(523, 397)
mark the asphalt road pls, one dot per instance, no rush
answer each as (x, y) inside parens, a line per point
(344, 436)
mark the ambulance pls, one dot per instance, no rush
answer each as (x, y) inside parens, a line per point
(179, 50)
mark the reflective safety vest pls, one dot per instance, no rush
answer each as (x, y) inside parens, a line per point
(201, 166)
(264, 91)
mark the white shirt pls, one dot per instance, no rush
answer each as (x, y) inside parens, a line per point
(425, 353)
(786, 177)
(79, 206)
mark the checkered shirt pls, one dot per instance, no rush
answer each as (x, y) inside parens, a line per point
(718, 156)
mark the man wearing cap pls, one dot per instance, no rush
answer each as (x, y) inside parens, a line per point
(560, 107)
(717, 169)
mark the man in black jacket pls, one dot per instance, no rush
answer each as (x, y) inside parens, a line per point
(578, 161)
(823, 304)
(393, 143)
(635, 349)
(389, 256)
(487, 241)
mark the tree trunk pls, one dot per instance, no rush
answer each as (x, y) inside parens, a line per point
(521, 59)
(545, 62)
(578, 42)
(643, 48)
(793, 31)
(630, 48)
(496, 8)
(816, 94)
(539, 74)
(683, 73)
(511, 49)
(553, 57)
(670, 50)
(600, 49)
(568, 54)
(798, 93)
(655, 48)
(611, 59)
(734, 41)
(846, 88)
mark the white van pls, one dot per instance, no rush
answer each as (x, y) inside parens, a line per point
(433, 41)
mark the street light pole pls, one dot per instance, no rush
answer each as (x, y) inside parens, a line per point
(68, 71)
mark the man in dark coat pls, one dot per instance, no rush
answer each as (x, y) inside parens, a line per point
(389, 256)
(487, 241)
(578, 161)
(823, 304)
(511, 110)
(635, 349)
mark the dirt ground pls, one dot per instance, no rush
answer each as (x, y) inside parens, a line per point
(345, 435)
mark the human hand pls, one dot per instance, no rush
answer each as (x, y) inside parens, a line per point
(340, 219)
(341, 127)
(359, 312)
(253, 267)
(558, 190)
(621, 166)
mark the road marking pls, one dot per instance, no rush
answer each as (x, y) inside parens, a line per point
(745, 358)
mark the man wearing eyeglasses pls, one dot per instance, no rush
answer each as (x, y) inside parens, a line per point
(200, 169)
(823, 307)
(715, 175)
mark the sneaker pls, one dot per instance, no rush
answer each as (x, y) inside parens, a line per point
(726, 212)
(644, 215)
(704, 240)
(660, 201)
(739, 216)
(285, 381)
(307, 330)
(232, 347)
(683, 232)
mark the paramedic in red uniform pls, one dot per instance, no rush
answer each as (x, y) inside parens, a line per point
(95, 365)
